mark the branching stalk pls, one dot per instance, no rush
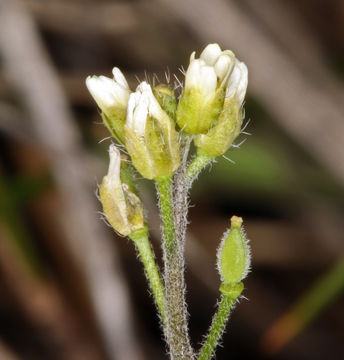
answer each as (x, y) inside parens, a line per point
(197, 164)
(141, 240)
(217, 327)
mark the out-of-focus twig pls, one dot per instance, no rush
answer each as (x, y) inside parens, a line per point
(29, 69)
(306, 111)
(11, 123)
(80, 17)
(41, 303)
(6, 353)
(325, 290)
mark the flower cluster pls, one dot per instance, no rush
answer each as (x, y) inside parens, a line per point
(149, 121)
(154, 127)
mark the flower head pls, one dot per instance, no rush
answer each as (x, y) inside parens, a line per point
(206, 80)
(151, 139)
(219, 138)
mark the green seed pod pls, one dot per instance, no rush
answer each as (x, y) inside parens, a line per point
(167, 99)
(233, 257)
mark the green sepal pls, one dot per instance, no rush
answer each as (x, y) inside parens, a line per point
(232, 290)
(167, 99)
(115, 123)
(195, 113)
(220, 137)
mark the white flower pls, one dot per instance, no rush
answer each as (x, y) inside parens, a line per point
(151, 139)
(206, 80)
(109, 93)
(238, 82)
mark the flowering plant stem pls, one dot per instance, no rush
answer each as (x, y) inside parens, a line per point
(177, 330)
(141, 240)
(217, 327)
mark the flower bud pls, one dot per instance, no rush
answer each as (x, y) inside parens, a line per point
(233, 257)
(111, 95)
(206, 80)
(122, 207)
(228, 126)
(166, 98)
(151, 139)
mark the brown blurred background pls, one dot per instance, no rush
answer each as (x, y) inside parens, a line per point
(70, 288)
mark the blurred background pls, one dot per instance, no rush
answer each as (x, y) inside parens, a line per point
(70, 288)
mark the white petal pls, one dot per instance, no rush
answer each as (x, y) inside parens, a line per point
(241, 92)
(140, 112)
(192, 56)
(154, 108)
(101, 88)
(193, 73)
(113, 175)
(223, 66)
(120, 94)
(119, 77)
(238, 82)
(133, 100)
(208, 80)
(233, 81)
(211, 53)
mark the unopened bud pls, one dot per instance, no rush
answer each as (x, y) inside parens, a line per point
(151, 138)
(122, 207)
(233, 255)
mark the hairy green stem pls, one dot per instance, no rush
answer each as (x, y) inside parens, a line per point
(177, 330)
(196, 165)
(217, 327)
(141, 240)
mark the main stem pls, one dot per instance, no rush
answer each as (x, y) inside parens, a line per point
(177, 329)
(217, 327)
(140, 238)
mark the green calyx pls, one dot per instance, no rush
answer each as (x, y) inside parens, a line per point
(196, 113)
(234, 254)
(115, 121)
(167, 99)
(157, 153)
(220, 137)
(232, 290)
(137, 235)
